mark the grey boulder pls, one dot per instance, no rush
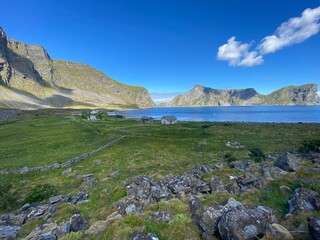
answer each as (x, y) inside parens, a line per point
(288, 162)
(303, 200)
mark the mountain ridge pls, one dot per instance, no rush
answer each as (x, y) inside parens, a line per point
(30, 79)
(206, 96)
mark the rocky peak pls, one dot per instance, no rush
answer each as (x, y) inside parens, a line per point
(5, 69)
(243, 93)
(205, 96)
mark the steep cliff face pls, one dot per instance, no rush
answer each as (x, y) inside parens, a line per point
(5, 69)
(204, 96)
(28, 71)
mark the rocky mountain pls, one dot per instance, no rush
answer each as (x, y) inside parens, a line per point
(29, 79)
(204, 96)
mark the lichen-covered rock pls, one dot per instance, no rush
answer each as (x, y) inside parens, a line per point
(62, 230)
(97, 227)
(304, 200)
(195, 205)
(81, 197)
(101, 226)
(246, 181)
(55, 199)
(12, 219)
(129, 205)
(314, 228)
(9, 231)
(272, 171)
(77, 223)
(288, 162)
(245, 222)
(144, 236)
(46, 236)
(140, 188)
(230, 204)
(240, 165)
(209, 220)
(277, 232)
(233, 188)
(216, 184)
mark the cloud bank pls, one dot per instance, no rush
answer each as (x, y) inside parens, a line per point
(293, 31)
(163, 97)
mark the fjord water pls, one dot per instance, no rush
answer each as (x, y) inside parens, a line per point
(282, 114)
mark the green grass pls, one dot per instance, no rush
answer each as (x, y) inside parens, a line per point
(47, 139)
(148, 149)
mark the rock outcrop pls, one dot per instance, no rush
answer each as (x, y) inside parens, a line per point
(205, 96)
(29, 79)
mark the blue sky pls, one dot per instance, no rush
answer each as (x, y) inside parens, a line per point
(168, 46)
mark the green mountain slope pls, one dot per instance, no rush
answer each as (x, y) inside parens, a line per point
(31, 79)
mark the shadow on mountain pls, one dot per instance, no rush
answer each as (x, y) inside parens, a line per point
(62, 101)
(26, 67)
(61, 89)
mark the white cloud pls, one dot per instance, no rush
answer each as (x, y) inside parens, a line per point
(293, 31)
(237, 54)
(251, 59)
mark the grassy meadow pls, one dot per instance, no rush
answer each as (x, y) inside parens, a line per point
(148, 149)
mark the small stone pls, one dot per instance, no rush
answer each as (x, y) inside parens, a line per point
(68, 170)
(46, 236)
(97, 162)
(131, 209)
(162, 216)
(82, 176)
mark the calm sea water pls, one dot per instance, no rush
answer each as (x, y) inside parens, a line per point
(289, 114)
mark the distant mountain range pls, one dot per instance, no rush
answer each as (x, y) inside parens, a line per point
(205, 96)
(30, 79)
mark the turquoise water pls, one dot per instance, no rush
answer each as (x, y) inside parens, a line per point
(290, 114)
